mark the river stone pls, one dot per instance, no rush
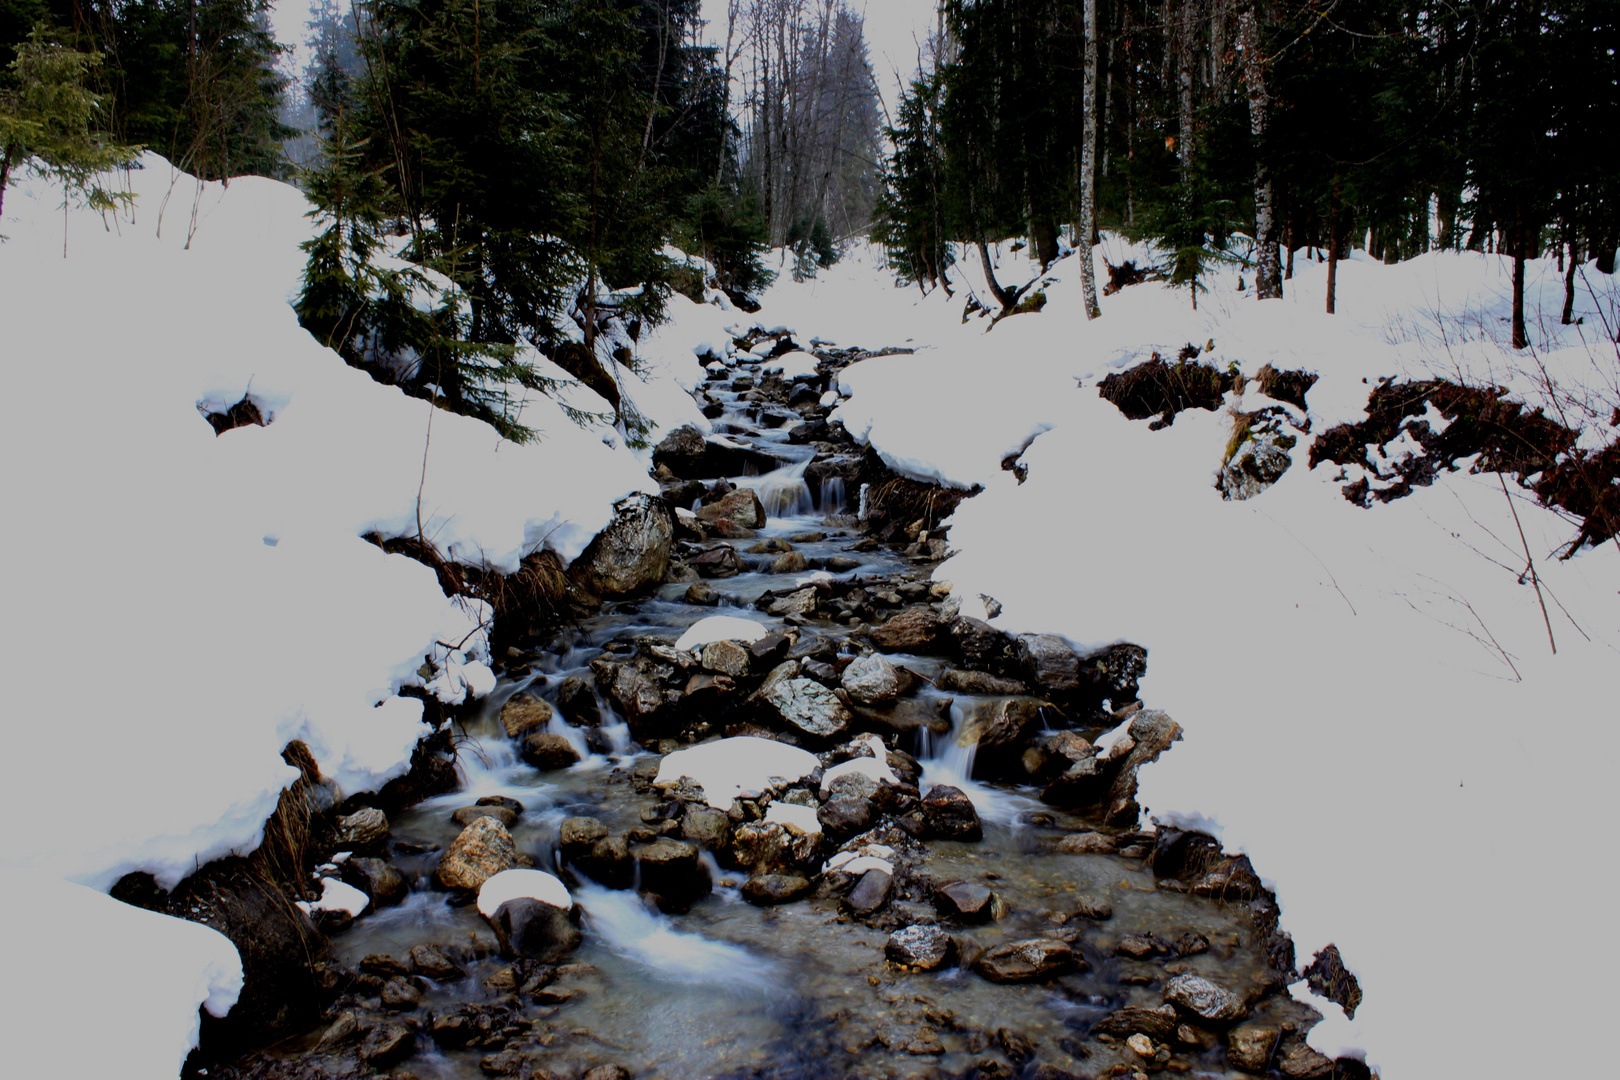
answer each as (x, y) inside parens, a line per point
(702, 594)
(742, 507)
(977, 682)
(609, 862)
(869, 894)
(982, 647)
(469, 814)
(607, 1072)
(1049, 663)
(949, 814)
(1230, 879)
(792, 562)
(672, 871)
(871, 680)
(401, 995)
(1093, 907)
(768, 847)
(769, 649)
(726, 657)
(1026, 961)
(530, 929)
(1007, 723)
(523, 714)
(1249, 1047)
(1159, 1024)
(925, 948)
(1087, 843)
(376, 879)
(576, 835)
(548, 752)
(802, 602)
(965, 900)
(771, 545)
(636, 693)
(1299, 1062)
(430, 963)
(808, 707)
(706, 827)
(632, 553)
(1152, 732)
(720, 561)
(768, 889)
(482, 850)
(910, 631)
(682, 451)
(386, 1045)
(501, 800)
(1083, 783)
(845, 816)
(1203, 998)
(577, 698)
(364, 828)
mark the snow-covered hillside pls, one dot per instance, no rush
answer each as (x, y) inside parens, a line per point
(1373, 709)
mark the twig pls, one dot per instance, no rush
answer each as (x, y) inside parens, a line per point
(433, 406)
(1530, 564)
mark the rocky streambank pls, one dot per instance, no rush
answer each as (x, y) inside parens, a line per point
(777, 804)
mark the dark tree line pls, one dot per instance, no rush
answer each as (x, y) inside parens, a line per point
(1303, 126)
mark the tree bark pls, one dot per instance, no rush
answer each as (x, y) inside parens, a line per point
(1003, 297)
(1088, 169)
(1184, 78)
(1267, 281)
(1569, 285)
(1520, 338)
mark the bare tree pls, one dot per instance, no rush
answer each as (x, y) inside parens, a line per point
(1267, 279)
(1088, 168)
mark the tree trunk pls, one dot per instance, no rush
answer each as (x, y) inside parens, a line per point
(1333, 250)
(1088, 169)
(1520, 338)
(1569, 286)
(1003, 297)
(1184, 78)
(1267, 281)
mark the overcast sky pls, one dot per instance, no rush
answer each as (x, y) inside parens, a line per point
(895, 31)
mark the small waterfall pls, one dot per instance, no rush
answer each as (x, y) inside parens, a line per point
(575, 736)
(832, 495)
(948, 759)
(624, 925)
(784, 493)
(865, 501)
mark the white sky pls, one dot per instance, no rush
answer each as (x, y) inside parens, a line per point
(895, 32)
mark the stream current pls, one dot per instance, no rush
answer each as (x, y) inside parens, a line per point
(796, 990)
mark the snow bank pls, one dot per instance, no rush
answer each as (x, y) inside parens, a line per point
(720, 628)
(728, 768)
(802, 818)
(519, 885)
(1372, 708)
(182, 605)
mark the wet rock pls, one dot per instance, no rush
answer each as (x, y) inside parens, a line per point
(767, 847)
(1184, 853)
(523, 714)
(741, 507)
(401, 995)
(609, 862)
(769, 649)
(482, 850)
(925, 948)
(469, 814)
(632, 689)
(672, 871)
(793, 562)
(802, 602)
(720, 561)
(909, 715)
(706, 687)
(1159, 1024)
(576, 835)
(702, 595)
(1049, 663)
(965, 900)
(768, 889)
(531, 929)
(430, 963)
(1113, 672)
(1230, 879)
(1204, 999)
(916, 630)
(632, 553)
(1142, 946)
(1083, 783)
(1329, 978)
(578, 700)
(364, 828)
(1093, 907)
(682, 451)
(607, 1072)
(706, 827)
(383, 967)
(871, 680)
(1297, 1061)
(977, 682)
(726, 657)
(807, 707)
(846, 816)
(1249, 1047)
(982, 647)
(501, 801)
(1087, 843)
(1027, 961)
(1153, 732)
(548, 752)
(375, 878)
(386, 1045)
(840, 564)
(869, 894)
(949, 814)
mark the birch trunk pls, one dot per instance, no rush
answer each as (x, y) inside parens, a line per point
(1267, 279)
(1088, 169)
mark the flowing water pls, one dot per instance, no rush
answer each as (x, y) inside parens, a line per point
(797, 990)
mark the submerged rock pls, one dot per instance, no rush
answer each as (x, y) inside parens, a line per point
(925, 948)
(1204, 999)
(548, 752)
(965, 900)
(1026, 961)
(672, 871)
(1249, 1047)
(768, 889)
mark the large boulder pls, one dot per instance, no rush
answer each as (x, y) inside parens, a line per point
(524, 713)
(1049, 663)
(532, 913)
(688, 454)
(548, 752)
(482, 850)
(807, 707)
(741, 507)
(632, 553)
(770, 847)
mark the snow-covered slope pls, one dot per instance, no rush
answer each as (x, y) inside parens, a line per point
(1373, 710)
(178, 606)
